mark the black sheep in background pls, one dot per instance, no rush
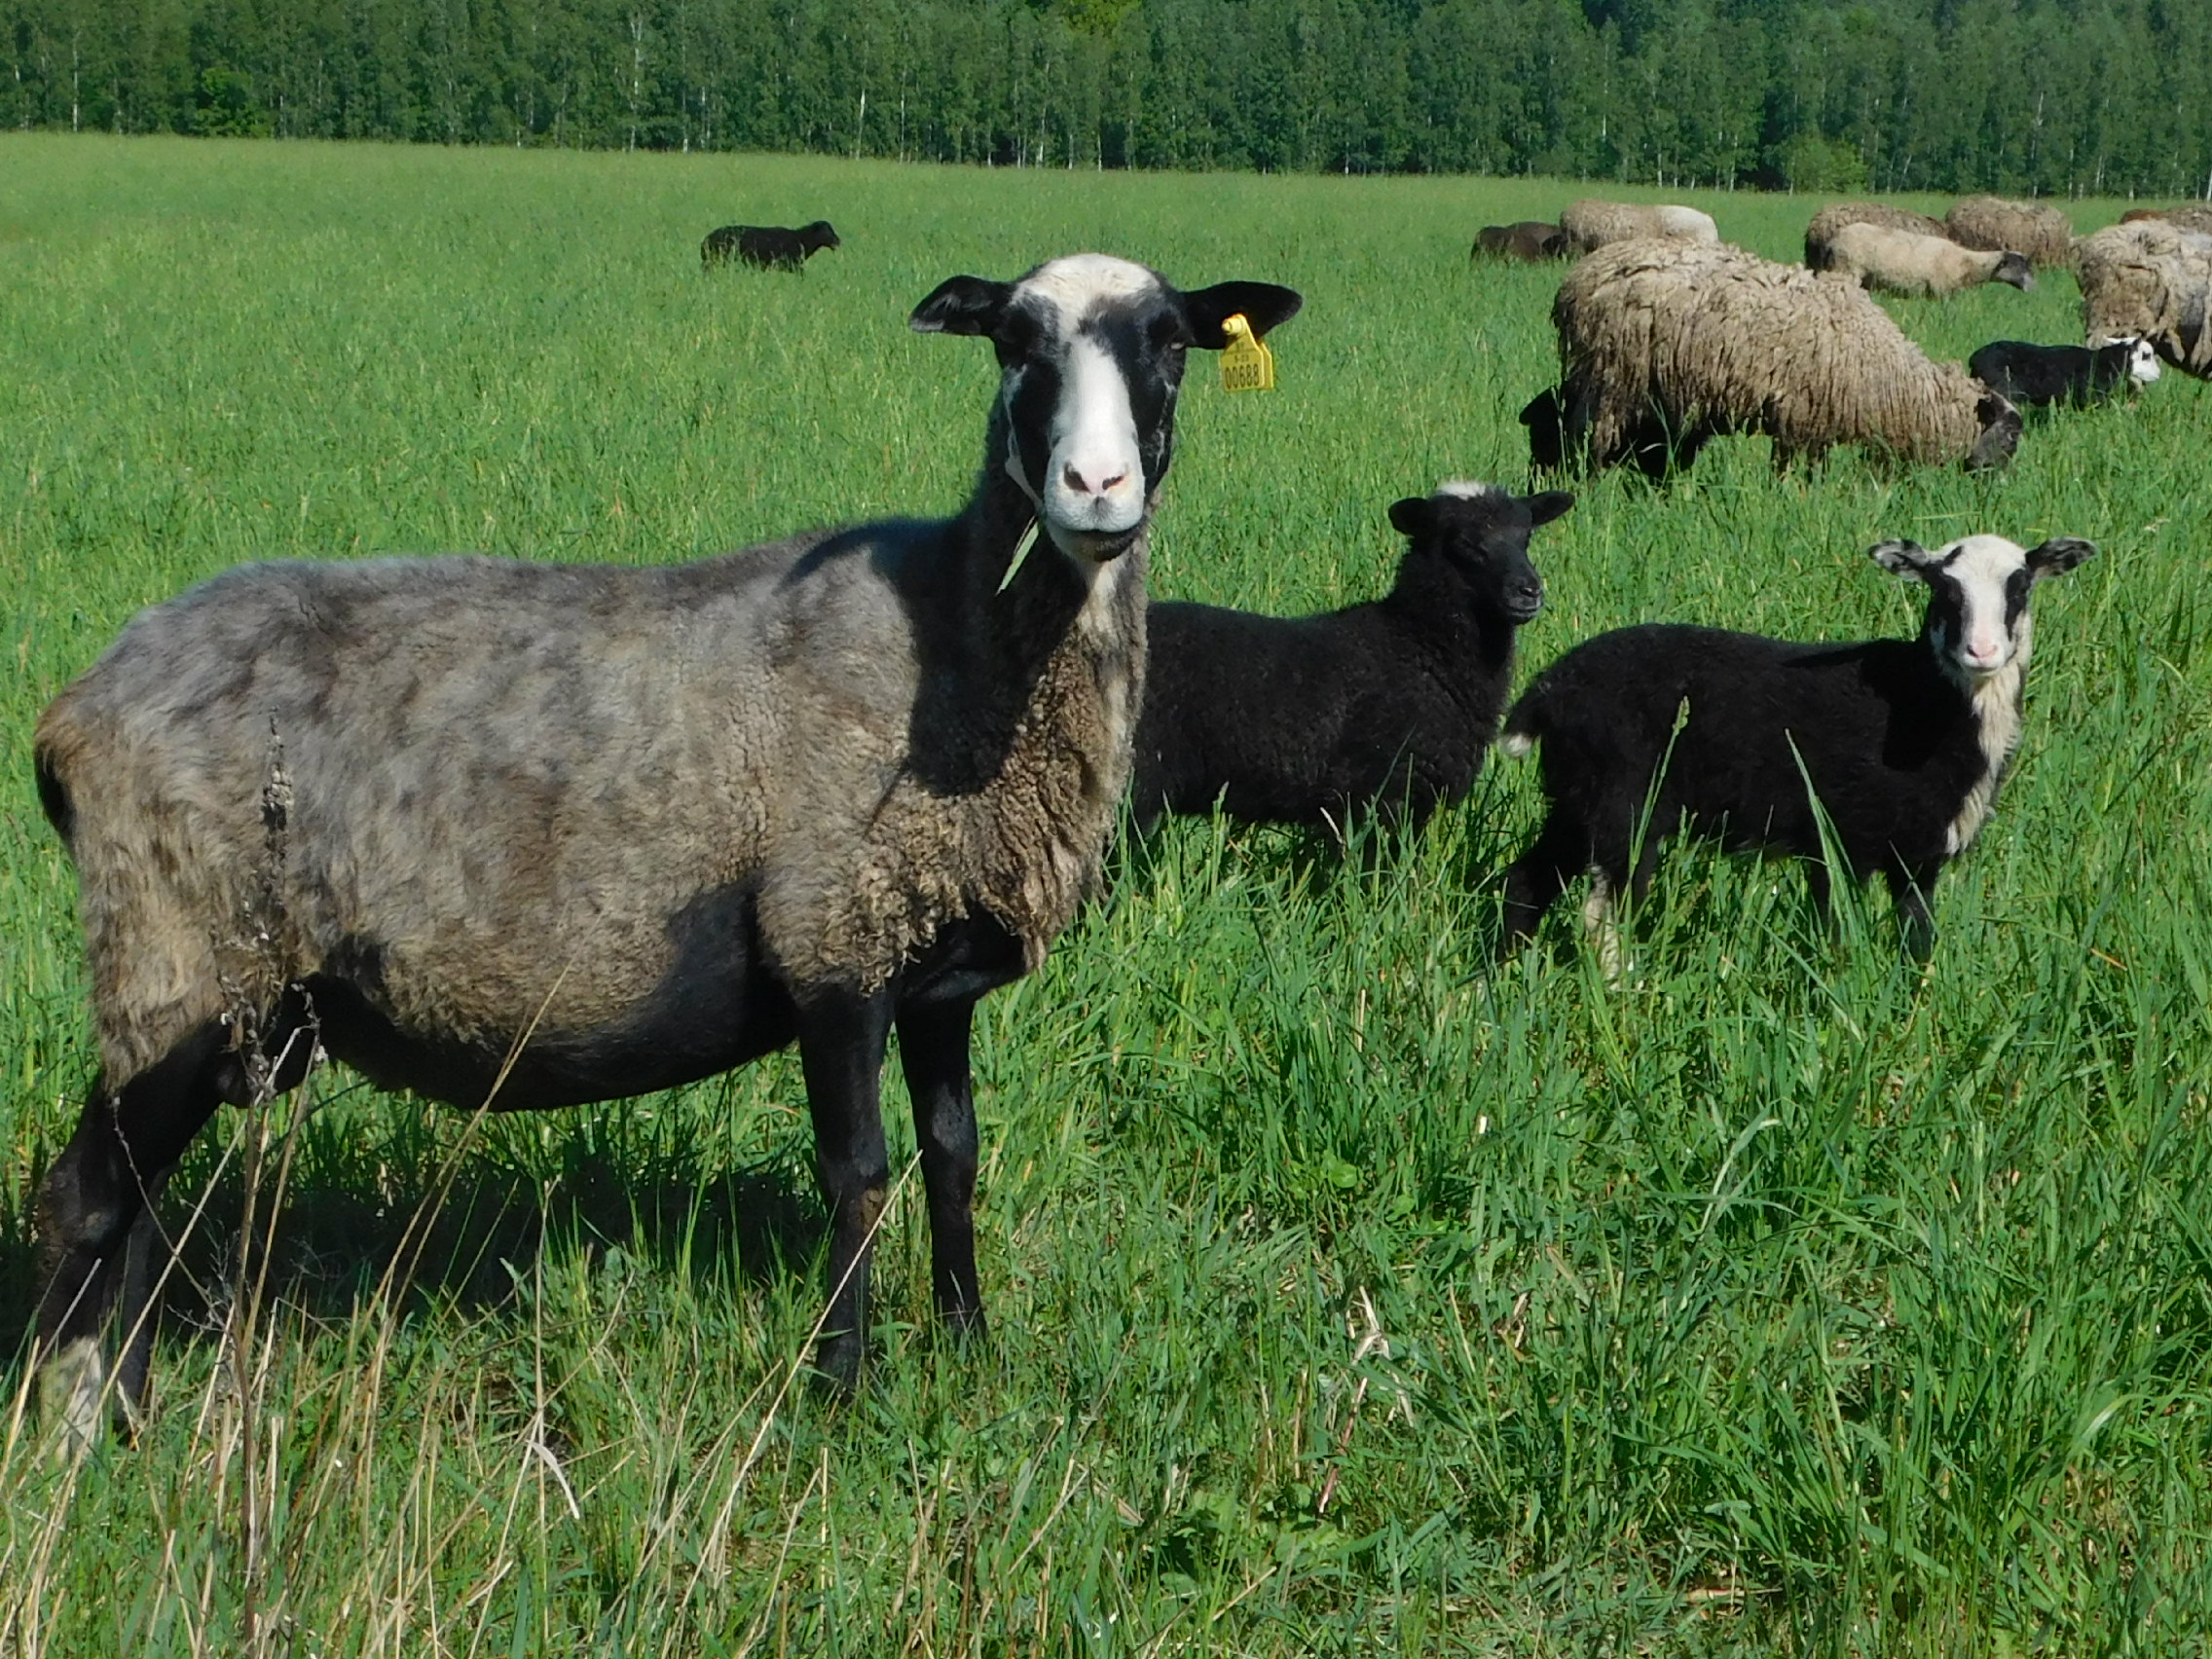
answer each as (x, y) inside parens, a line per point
(2035, 377)
(1389, 704)
(768, 246)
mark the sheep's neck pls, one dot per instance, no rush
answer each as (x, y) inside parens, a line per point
(1436, 606)
(1994, 703)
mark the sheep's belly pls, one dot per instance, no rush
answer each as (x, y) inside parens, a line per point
(716, 1004)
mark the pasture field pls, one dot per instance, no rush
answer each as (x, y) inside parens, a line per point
(1349, 1296)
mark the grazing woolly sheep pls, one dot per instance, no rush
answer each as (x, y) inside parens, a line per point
(543, 834)
(2154, 280)
(1665, 345)
(1591, 223)
(1529, 239)
(1821, 233)
(2042, 235)
(2035, 377)
(1389, 704)
(2190, 216)
(1918, 267)
(768, 246)
(1904, 742)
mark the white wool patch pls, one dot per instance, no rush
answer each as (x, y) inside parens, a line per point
(1080, 281)
(1094, 475)
(72, 1389)
(1470, 489)
(1516, 746)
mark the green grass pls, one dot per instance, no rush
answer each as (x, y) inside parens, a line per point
(1349, 1296)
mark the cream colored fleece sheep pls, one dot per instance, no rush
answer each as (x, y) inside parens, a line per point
(1591, 223)
(1821, 233)
(1918, 267)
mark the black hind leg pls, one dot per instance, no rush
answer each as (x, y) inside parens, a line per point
(1908, 892)
(94, 1200)
(1559, 853)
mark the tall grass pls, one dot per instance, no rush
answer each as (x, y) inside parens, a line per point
(1350, 1295)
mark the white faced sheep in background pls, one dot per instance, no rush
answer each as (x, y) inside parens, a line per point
(1821, 232)
(2154, 280)
(1902, 742)
(1663, 345)
(1592, 224)
(1917, 266)
(1386, 706)
(2037, 377)
(2040, 233)
(543, 834)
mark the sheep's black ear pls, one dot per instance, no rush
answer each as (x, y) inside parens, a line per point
(1413, 516)
(1905, 557)
(2059, 555)
(962, 305)
(1551, 504)
(1264, 305)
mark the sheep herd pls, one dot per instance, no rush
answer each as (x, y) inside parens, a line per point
(540, 834)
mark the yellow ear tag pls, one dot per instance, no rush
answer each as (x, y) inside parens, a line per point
(1246, 364)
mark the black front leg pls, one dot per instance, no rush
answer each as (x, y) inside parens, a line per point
(933, 1048)
(841, 1039)
(1908, 891)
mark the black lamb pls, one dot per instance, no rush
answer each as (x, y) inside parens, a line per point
(1904, 742)
(1389, 704)
(771, 248)
(2037, 377)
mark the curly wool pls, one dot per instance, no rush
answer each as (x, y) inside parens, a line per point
(1991, 224)
(1722, 338)
(2189, 216)
(2152, 278)
(1819, 234)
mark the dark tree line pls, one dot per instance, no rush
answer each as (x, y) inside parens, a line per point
(2022, 96)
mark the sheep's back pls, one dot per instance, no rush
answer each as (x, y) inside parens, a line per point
(502, 779)
(1991, 224)
(2154, 278)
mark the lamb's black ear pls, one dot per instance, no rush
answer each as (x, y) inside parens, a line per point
(1551, 504)
(2059, 555)
(962, 305)
(1905, 557)
(1413, 516)
(1264, 305)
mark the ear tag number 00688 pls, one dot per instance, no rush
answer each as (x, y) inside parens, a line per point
(1246, 364)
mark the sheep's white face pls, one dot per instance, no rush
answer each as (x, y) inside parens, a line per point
(2142, 362)
(1091, 354)
(1977, 595)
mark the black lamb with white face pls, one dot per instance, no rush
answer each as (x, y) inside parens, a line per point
(1904, 742)
(1386, 706)
(2038, 377)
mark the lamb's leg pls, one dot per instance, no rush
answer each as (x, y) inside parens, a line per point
(93, 1199)
(841, 1039)
(933, 1048)
(1560, 851)
(1908, 892)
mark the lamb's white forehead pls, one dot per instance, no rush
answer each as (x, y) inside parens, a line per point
(1467, 489)
(1983, 561)
(1078, 283)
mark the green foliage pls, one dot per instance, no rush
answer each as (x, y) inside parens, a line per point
(1351, 1296)
(2052, 97)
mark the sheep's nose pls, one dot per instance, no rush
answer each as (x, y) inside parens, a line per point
(1072, 477)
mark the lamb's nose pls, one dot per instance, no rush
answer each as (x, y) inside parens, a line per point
(1073, 478)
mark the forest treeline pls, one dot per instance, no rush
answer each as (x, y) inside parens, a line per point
(2021, 96)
